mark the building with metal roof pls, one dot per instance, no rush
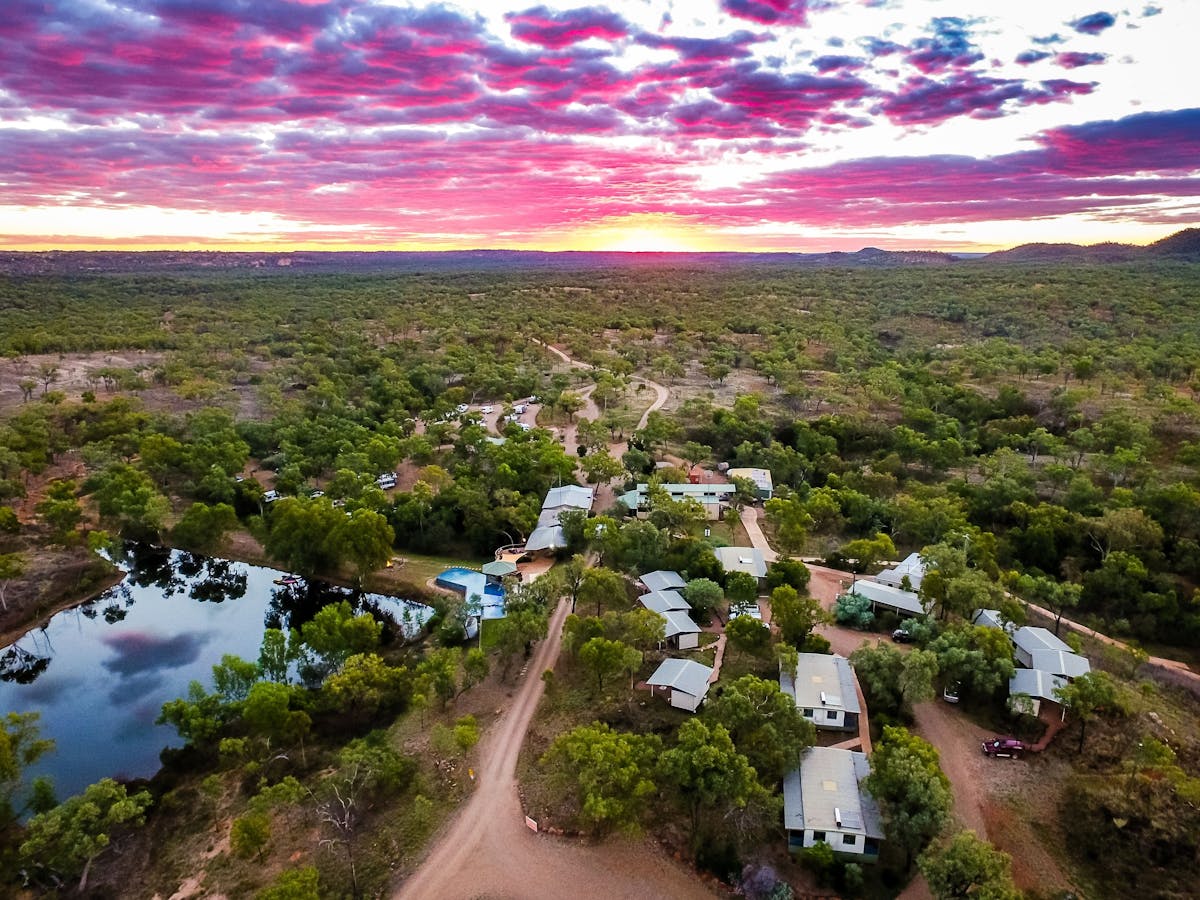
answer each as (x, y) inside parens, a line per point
(709, 496)
(1029, 687)
(992, 618)
(685, 681)
(761, 478)
(910, 567)
(1061, 662)
(664, 601)
(906, 603)
(825, 691)
(1030, 638)
(681, 632)
(742, 559)
(662, 580)
(824, 801)
(571, 496)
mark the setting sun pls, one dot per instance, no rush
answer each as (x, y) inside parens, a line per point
(644, 234)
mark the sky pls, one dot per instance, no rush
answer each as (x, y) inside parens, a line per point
(636, 125)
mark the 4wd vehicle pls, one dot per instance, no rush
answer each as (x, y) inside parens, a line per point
(902, 636)
(950, 693)
(1002, 746)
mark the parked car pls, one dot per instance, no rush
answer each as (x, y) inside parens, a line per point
(461, 408)
(386, 481)
(487, 409)
(901, 636)
(1002, 746)
(270, 496)
(950, 692)
(519, 409)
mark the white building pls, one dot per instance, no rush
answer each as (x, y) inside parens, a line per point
(824, 689)
(681, 632)
(910, 567)
(685, 681)
(761, 478)
(824, 801)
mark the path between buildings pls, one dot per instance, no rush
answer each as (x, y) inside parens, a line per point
(488, 852)
(750, 516)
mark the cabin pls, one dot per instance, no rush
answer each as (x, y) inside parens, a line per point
(910, 567)
(742, 559)
(548, 535)
(1028, 640)
(662, 580)
(1029, 687)
(684, 682)
(709, 496)
(664, 601)
(824, 802)
(825, 691)
(681, 632)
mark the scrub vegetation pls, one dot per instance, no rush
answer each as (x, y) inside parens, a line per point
(1033, 430)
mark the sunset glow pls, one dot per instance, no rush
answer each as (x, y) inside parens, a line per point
(649, 126)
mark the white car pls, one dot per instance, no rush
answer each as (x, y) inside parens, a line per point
(270, 496)
(487, 409)
(461, 408)
(519, 409)
(386, 481)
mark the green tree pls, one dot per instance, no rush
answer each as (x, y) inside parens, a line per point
(197, 719)
(60, 509)
(788, 571)
(203, 526)
(335, 634)
(796, 616)
(611, 774)
(603, 659)
(249, 834)
(867, 553)
(893, 681)
(475, 668)
(741, 588)
(67, 839)
(233, 677)
(790, 521)
(603, 587)
(709, 775)
(967, 868)
(601, 467)
(1057, 596)
(854, 610)
(129, 498)
(748, 635)
(293, 884)
(20, 747)
(299, 534)
(978, 659)
(764, 723)
(365, 685)
(1086, 698)
(267, 714)
(704, 595)
(912, 791)
(279, 650)
(364, 539)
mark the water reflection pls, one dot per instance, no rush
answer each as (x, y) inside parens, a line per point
(100, 673)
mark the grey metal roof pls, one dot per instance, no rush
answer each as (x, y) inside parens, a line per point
(1058, 662)
(991, 618)
(679, 622)
(822, 682)
(662, 580)
(1032, 638)
(892, 597)
(571, 495)
(761, 477)
(742, 559)
(703, 492)
(1035, 683)
(684, 675)
(827, 788)
(548, 518)
(663, 601)
(546, 537)
(911, 565)
(499, 567)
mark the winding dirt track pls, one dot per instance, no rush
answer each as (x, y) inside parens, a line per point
(488, 852)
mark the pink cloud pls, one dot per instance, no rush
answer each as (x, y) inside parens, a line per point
(561, 29)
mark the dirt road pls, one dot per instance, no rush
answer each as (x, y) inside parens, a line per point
(488, 852)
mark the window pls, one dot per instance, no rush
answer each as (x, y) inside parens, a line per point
(818, 836)
(831, 714)
(849, 840)
(808, 713)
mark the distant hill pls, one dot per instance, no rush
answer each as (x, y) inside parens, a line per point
(70, 262)
(1181, 245)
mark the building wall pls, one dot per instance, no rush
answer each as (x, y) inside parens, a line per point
(680, 700)
(1023, 658)
(837, 840)
(840, 720)
(686, 641)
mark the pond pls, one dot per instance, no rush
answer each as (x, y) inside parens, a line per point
(100, 673)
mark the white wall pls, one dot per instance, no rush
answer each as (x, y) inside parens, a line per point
(687, 641)
(680, 700)
(837, 841)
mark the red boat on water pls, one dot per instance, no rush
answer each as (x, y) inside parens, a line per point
(288, 580)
